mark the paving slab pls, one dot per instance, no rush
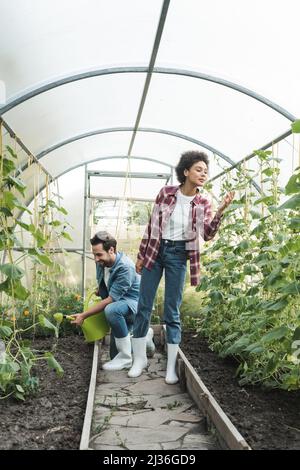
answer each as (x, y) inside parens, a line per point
(171, 445)
(189, 417)
(122, 435)
(156, 386)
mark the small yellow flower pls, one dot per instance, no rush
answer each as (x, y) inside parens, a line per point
(13, 318)
(26, 313)
(77, 296)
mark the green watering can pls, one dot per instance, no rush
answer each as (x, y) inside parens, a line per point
(95, 327)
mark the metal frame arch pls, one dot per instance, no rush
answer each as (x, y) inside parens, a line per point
(111, 158)
(24, 96)
(98, 159)
(114, 157)
(141, 129)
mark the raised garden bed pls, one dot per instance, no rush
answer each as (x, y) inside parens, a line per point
(268, 419)
(52, 419)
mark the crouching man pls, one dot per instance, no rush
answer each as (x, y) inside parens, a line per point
(119, 289)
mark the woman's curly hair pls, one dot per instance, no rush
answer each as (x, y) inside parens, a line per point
(187, 160)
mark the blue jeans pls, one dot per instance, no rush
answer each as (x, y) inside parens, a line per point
(172, 258)
(120, 319)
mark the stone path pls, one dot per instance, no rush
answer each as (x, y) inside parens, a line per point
(145, 413)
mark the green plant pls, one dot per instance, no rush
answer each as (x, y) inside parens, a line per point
(24, 310)
(18, 358)
(174, 404)
(250, 290)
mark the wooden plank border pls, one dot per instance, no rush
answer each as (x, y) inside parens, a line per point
(190, 381)
(86, 429)
(205, 401)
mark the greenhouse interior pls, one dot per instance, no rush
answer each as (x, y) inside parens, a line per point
(98, 101)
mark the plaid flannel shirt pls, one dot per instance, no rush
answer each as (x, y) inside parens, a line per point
(200, 222)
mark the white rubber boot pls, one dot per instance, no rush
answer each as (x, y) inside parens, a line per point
(150, 346)
(123, 359)
(139, 357)
(171, 376)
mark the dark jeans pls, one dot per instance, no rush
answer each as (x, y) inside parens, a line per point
(120, 319)
(172, 258)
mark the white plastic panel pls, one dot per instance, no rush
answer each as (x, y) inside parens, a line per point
(232, 122)
(45, 40)
(255, 44)
(84, 150)
(75, 108)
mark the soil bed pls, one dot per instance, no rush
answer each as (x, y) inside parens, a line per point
(267, 419)
(53, 418)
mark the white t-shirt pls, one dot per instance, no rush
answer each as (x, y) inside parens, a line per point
(106, 275)
(177, 224)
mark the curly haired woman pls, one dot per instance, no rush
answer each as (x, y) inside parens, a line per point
(180, 216)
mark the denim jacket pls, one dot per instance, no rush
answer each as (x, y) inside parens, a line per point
(123, 282)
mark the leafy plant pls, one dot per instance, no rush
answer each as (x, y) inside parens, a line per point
(250, 289)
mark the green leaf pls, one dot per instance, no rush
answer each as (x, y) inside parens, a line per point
(231, 336)
(263, 154)
(273, 276)
(6, 211)
(296, 126)
(291, 246)
(268, 171)
(252, 291)
(19, 395)
(294, 223)
(53, 364)
(203, 286)
(51, 203)
(14, 289)
(5, 331)
(216, 296)
(254, 348)
(8, 166)
(45, 323)
(20, 292)
(12, 271)
(17, 183)
(55, 223)
(11, 151)
(62, 210)
(274, 305)
(250, 269)
(255, 214)
(292, 203)
(22, 208)
(67, 236)
(40, 257)
(292, 288)
(293, 185)
(20, 388)
(23, 225)
(239, 345)
(9, 200)
(277, 333)
(258, 229)
(296, 335)
(268, 200)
